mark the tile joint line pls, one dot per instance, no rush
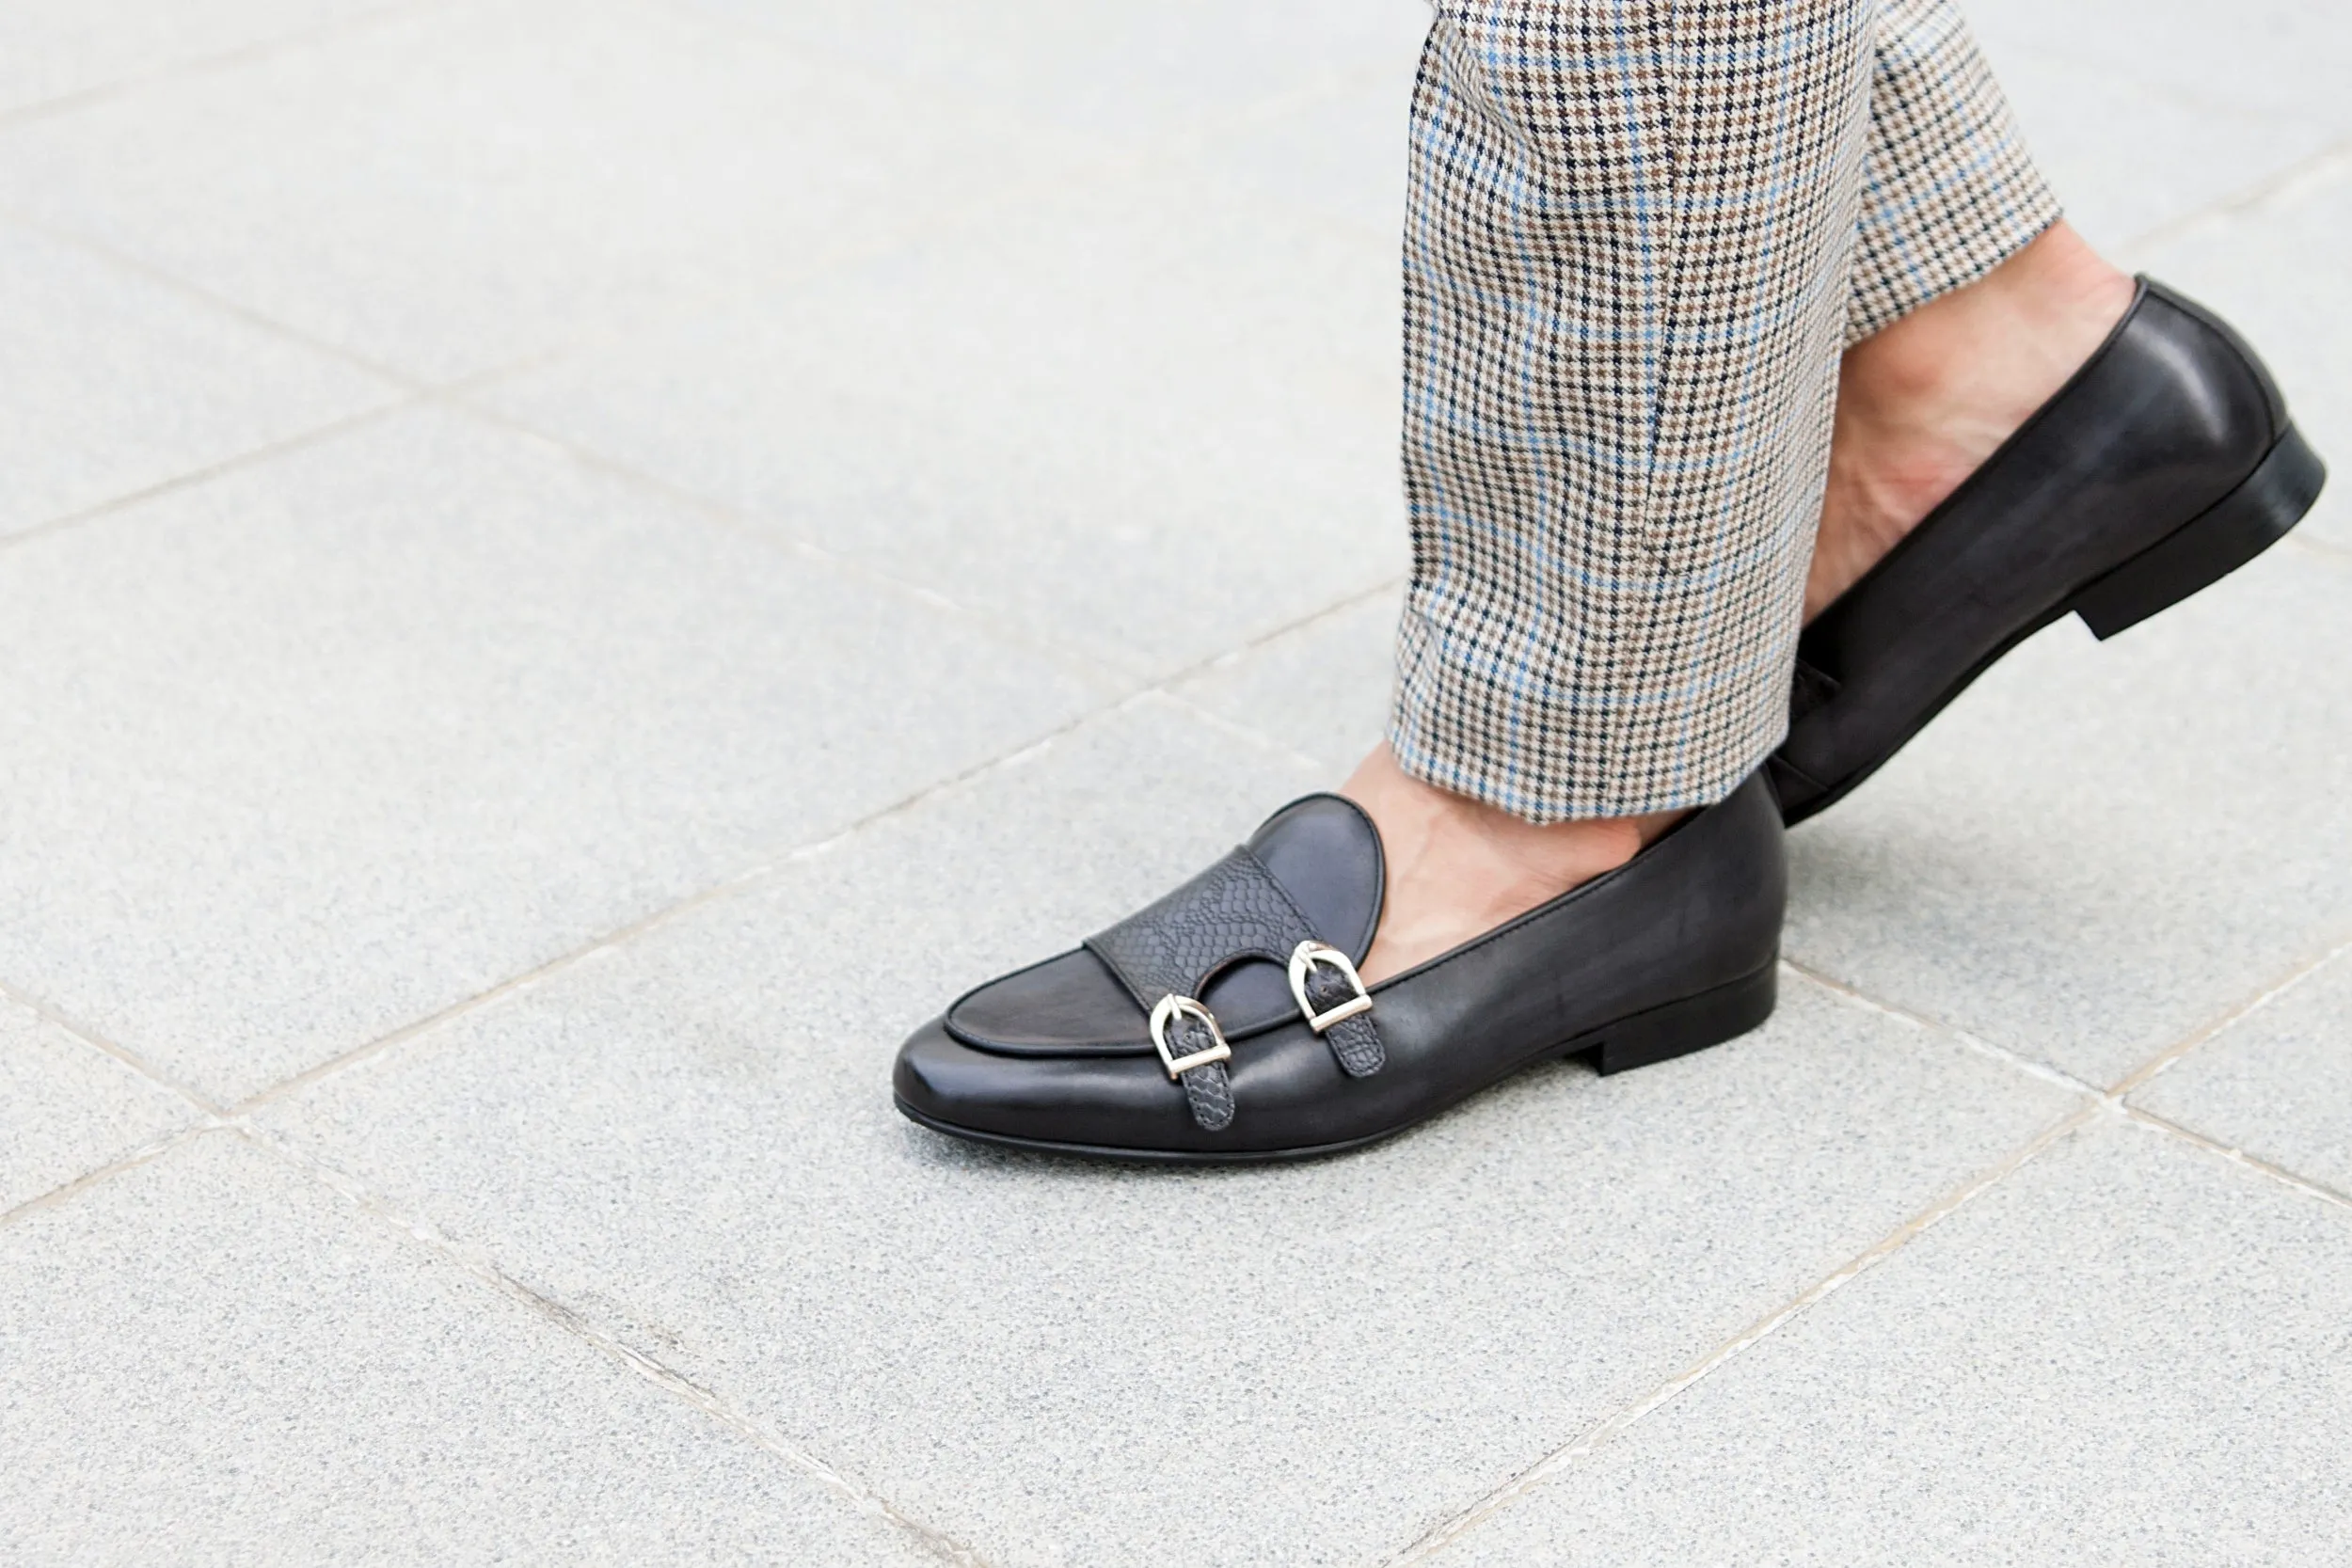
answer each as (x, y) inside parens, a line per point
(1856, 996)
(2313, 168)
(2110, 1103)
(675, 1384)
(1536, 1476)
(74, 99)
(146, 1153)
(214, 1115)
(234, 463)
(2302, 1184)
(65, 1023)
(761, 871)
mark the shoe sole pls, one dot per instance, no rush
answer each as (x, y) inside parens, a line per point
(2261, 511)
(1660, 1034)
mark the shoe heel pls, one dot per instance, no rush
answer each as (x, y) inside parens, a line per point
(1681, 1027)
(2236, 529)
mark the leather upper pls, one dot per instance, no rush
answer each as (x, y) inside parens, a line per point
(1325, 853)
(2168, 417)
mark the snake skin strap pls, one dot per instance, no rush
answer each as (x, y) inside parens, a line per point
(1232, 911)
(1207, 1088)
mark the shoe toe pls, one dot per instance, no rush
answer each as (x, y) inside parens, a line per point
(1101, 1101)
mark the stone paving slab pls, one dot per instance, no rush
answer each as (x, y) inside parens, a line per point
(463, 186)
(213, 1359)
(2104, 847)
(67, 1109)
(2281, 58)
(1128, 75)
(2277, 1085)
(56, 50)
(689, 1143)
(1320, 690)
(1146, 420)
(116, 382)
(2129, 156)
(2131, 1353)
(1339, 158)
(306, 752)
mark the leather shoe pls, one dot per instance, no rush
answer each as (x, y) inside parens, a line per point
(1225, 1021)
(2166, 462)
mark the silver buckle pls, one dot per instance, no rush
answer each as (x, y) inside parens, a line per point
(1172, 1007)
(1305, 957)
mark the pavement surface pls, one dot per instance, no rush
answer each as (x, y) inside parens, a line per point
(568, 571)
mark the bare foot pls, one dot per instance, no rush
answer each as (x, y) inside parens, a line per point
(1921, 405)
(1458, 868)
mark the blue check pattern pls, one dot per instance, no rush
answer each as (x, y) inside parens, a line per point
(1639, 236)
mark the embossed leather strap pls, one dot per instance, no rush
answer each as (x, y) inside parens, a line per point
(1233, 910)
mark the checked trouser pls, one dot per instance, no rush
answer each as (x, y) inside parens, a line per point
(1639, 236)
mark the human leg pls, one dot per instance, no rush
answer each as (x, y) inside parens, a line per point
(1626, 271)
(1626, 276)
(1626, 280)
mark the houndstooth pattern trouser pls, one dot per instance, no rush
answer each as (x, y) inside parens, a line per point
(1640, 234)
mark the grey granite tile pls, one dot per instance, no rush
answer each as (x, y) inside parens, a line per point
(690, 1141)
(53, 49)
(463, 186)
(116, 382)
(2277, 269)
(67, 1108)
(1338, 154)
(2277, 1083)
(1149, 420)
(1321, 689)
(2271, 56)
(2127, 156)
(301, 755)
(1124, 74)
(213, 1359)
(2131, 1353)
(2102, 846)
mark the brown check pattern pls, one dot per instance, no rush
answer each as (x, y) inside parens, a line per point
(1638, 238)
(1948, 192)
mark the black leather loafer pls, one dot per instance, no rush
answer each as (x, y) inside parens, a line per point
(1225, 1021)
(2164, 464)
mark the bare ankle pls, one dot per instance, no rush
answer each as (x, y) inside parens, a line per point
(2014, 335)
(1458, 868)
(1922, 403)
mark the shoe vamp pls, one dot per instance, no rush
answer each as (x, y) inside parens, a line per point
(1327, 857)
(1073, 1005)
